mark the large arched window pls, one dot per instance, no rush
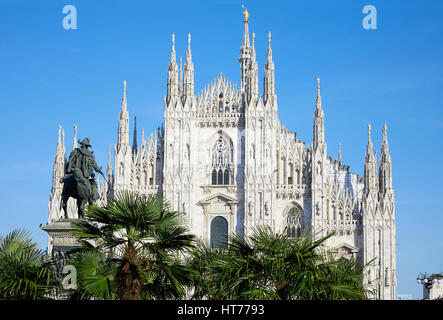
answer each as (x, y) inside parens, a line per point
(293, 221)
(219, 233)
(222, 155)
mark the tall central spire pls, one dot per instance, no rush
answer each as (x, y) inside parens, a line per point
(245, 52)
(246, 29)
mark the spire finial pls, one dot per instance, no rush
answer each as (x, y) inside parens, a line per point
(369, 131)
(318, 85)
(124, 103)
(173, 41)
(246, 15)
(385, 133)
(253, 39)
(189, 40)
(59, 133)
(269, 62)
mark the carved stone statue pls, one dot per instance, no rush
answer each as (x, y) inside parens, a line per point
(251, 208)
(79, 180)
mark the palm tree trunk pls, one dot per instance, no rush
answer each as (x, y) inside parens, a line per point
(128, 280)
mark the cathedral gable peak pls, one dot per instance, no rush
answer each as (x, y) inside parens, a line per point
(218, 197)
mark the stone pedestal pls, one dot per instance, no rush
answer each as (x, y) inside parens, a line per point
(61, 239)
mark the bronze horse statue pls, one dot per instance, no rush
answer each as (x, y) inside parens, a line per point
(79, 182)
(71, 188)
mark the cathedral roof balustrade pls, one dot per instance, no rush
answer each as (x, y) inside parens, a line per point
(291, 190)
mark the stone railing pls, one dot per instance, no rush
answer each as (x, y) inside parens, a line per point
(291, 190)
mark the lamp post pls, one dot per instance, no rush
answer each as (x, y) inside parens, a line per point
(429, 282)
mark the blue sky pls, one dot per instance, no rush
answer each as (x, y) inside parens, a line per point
(394, 74)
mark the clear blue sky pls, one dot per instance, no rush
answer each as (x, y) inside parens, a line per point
(51, 76)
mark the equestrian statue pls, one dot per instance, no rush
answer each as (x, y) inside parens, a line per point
(79, 180)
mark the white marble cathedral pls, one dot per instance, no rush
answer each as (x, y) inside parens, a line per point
(224, 159)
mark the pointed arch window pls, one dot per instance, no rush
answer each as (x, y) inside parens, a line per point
(293, 221)
(222, 155)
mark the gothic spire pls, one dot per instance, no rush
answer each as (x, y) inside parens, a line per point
(252, 79)
(172, 85)
(318, 107)
(269, 80)
(370, 174)
(134, 141)
(173, 58)
(385, 166)
(59, 161)
(124, 102)
(189, 72)
(319, 127)
(369, 147)
(188, 51)
(245, 52)
(246, 29)
(123, 121)
(269, 53)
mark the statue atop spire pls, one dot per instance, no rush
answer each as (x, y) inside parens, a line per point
(188, 81)
(246, 15)
(245, 52)
(124, 102)
(318, 108)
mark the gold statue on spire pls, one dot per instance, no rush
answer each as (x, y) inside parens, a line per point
(246, 15)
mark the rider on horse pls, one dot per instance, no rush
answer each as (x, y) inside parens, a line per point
(81, 166)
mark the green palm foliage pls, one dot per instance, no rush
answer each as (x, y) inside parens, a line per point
(25, 271)
(274, 266)
(132, 249)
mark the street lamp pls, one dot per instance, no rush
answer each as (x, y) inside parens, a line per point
(427, 280)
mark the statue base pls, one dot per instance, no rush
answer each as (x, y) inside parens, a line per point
(61, 239)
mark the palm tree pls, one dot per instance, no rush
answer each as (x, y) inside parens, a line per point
(274, 266)
(132, 249)
(25, 271)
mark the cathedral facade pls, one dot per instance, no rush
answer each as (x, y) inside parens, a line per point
(224, 159)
